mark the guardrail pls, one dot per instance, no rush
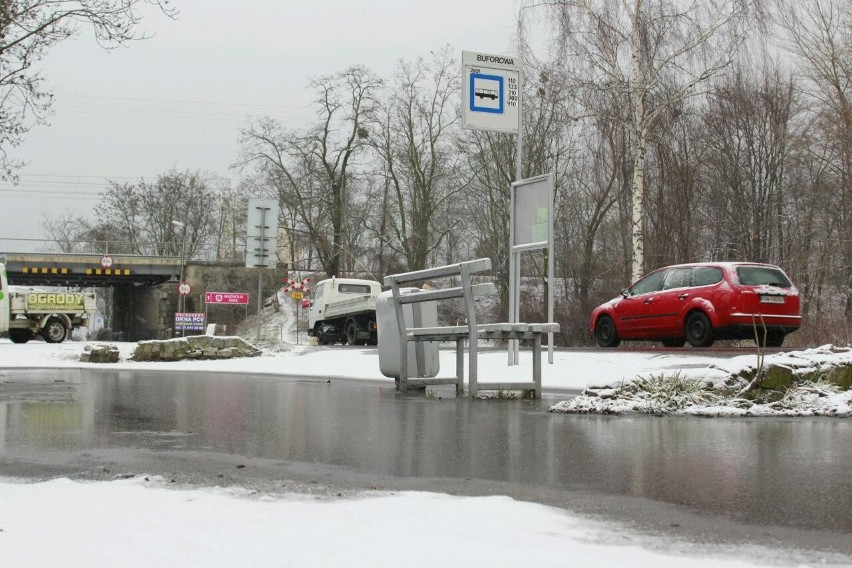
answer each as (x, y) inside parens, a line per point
(203, 252)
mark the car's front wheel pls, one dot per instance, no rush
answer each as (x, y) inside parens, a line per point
(699, 332)
(605, 332)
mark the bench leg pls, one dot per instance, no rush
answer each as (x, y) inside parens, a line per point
(537, 365)
(403, 366)
(459, 366)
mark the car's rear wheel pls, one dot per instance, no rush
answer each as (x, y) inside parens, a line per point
(674, 341)
(699, 332)
(605, 332)
(55, 331)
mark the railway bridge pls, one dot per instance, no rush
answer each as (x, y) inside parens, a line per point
(139, 291)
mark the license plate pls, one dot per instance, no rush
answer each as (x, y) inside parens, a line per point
(772, 299)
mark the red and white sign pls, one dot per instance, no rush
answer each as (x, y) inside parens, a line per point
(106, 261)
(297, 286)
(226, 298)
(184, 289)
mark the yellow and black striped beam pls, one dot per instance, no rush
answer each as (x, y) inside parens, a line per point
(45, 270)
(108, 272)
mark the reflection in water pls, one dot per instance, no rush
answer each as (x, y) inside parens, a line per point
(782, 471)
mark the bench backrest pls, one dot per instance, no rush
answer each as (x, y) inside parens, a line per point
(466, 289)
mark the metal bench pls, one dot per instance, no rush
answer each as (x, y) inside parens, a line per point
(470, 332)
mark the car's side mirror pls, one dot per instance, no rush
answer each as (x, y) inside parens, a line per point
(624, 292)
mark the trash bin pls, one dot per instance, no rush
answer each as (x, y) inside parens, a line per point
(388, 336)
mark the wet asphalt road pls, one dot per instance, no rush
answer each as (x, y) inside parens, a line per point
(782, 483)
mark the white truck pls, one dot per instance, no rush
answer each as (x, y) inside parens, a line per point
(344, 310)
(27, 313)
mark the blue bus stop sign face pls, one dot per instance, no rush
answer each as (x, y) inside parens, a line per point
(487, 93)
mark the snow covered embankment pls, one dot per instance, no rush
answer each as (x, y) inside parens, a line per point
(814, 382)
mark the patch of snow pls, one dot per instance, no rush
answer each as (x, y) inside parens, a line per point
(138, 521)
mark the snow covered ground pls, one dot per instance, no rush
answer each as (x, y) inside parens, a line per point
(145, 522)
(139, 522)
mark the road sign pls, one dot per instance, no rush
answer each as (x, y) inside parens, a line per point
(184, 289)
(261, 233)
(491, 92)
(226, 298)
(106, 261)
(297, 295)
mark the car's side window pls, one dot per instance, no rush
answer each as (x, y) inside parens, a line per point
(706, 276)
(318, 291)
(650, 283)
(677, 278)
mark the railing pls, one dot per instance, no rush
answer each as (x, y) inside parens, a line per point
(204, 252)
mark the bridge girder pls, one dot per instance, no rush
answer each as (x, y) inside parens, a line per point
(86, 270)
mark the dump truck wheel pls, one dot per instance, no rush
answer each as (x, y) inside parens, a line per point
(55, 331)
(20, 335)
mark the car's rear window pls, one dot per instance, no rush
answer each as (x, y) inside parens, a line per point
(762, 276)
(353, 288)
(706, 276)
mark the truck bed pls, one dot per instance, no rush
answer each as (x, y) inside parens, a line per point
(350, 306)
(52, 303)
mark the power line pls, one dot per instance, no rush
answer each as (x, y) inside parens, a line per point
(178, 101)
(146, 107)
(58, 195)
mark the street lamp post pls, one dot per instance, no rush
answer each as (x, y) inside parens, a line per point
(182, 225)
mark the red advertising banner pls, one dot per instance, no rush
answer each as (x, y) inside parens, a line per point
(226, 298)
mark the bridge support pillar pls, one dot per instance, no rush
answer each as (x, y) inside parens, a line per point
(142, 312)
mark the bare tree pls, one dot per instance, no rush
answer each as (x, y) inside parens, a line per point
(747, 123)
(819, 34)
(28, 30)
(66, 230)
(231, 227)
(654, 52)
(312, 172)
(143, 214)
(413, 143)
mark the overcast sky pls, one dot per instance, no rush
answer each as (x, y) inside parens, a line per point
(178, 100)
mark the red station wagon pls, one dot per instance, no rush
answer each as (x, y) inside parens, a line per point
(700, 303)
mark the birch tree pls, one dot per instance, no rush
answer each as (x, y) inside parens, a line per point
(655, 53)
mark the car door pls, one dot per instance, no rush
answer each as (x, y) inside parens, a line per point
(636, 311)
(669, 302)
